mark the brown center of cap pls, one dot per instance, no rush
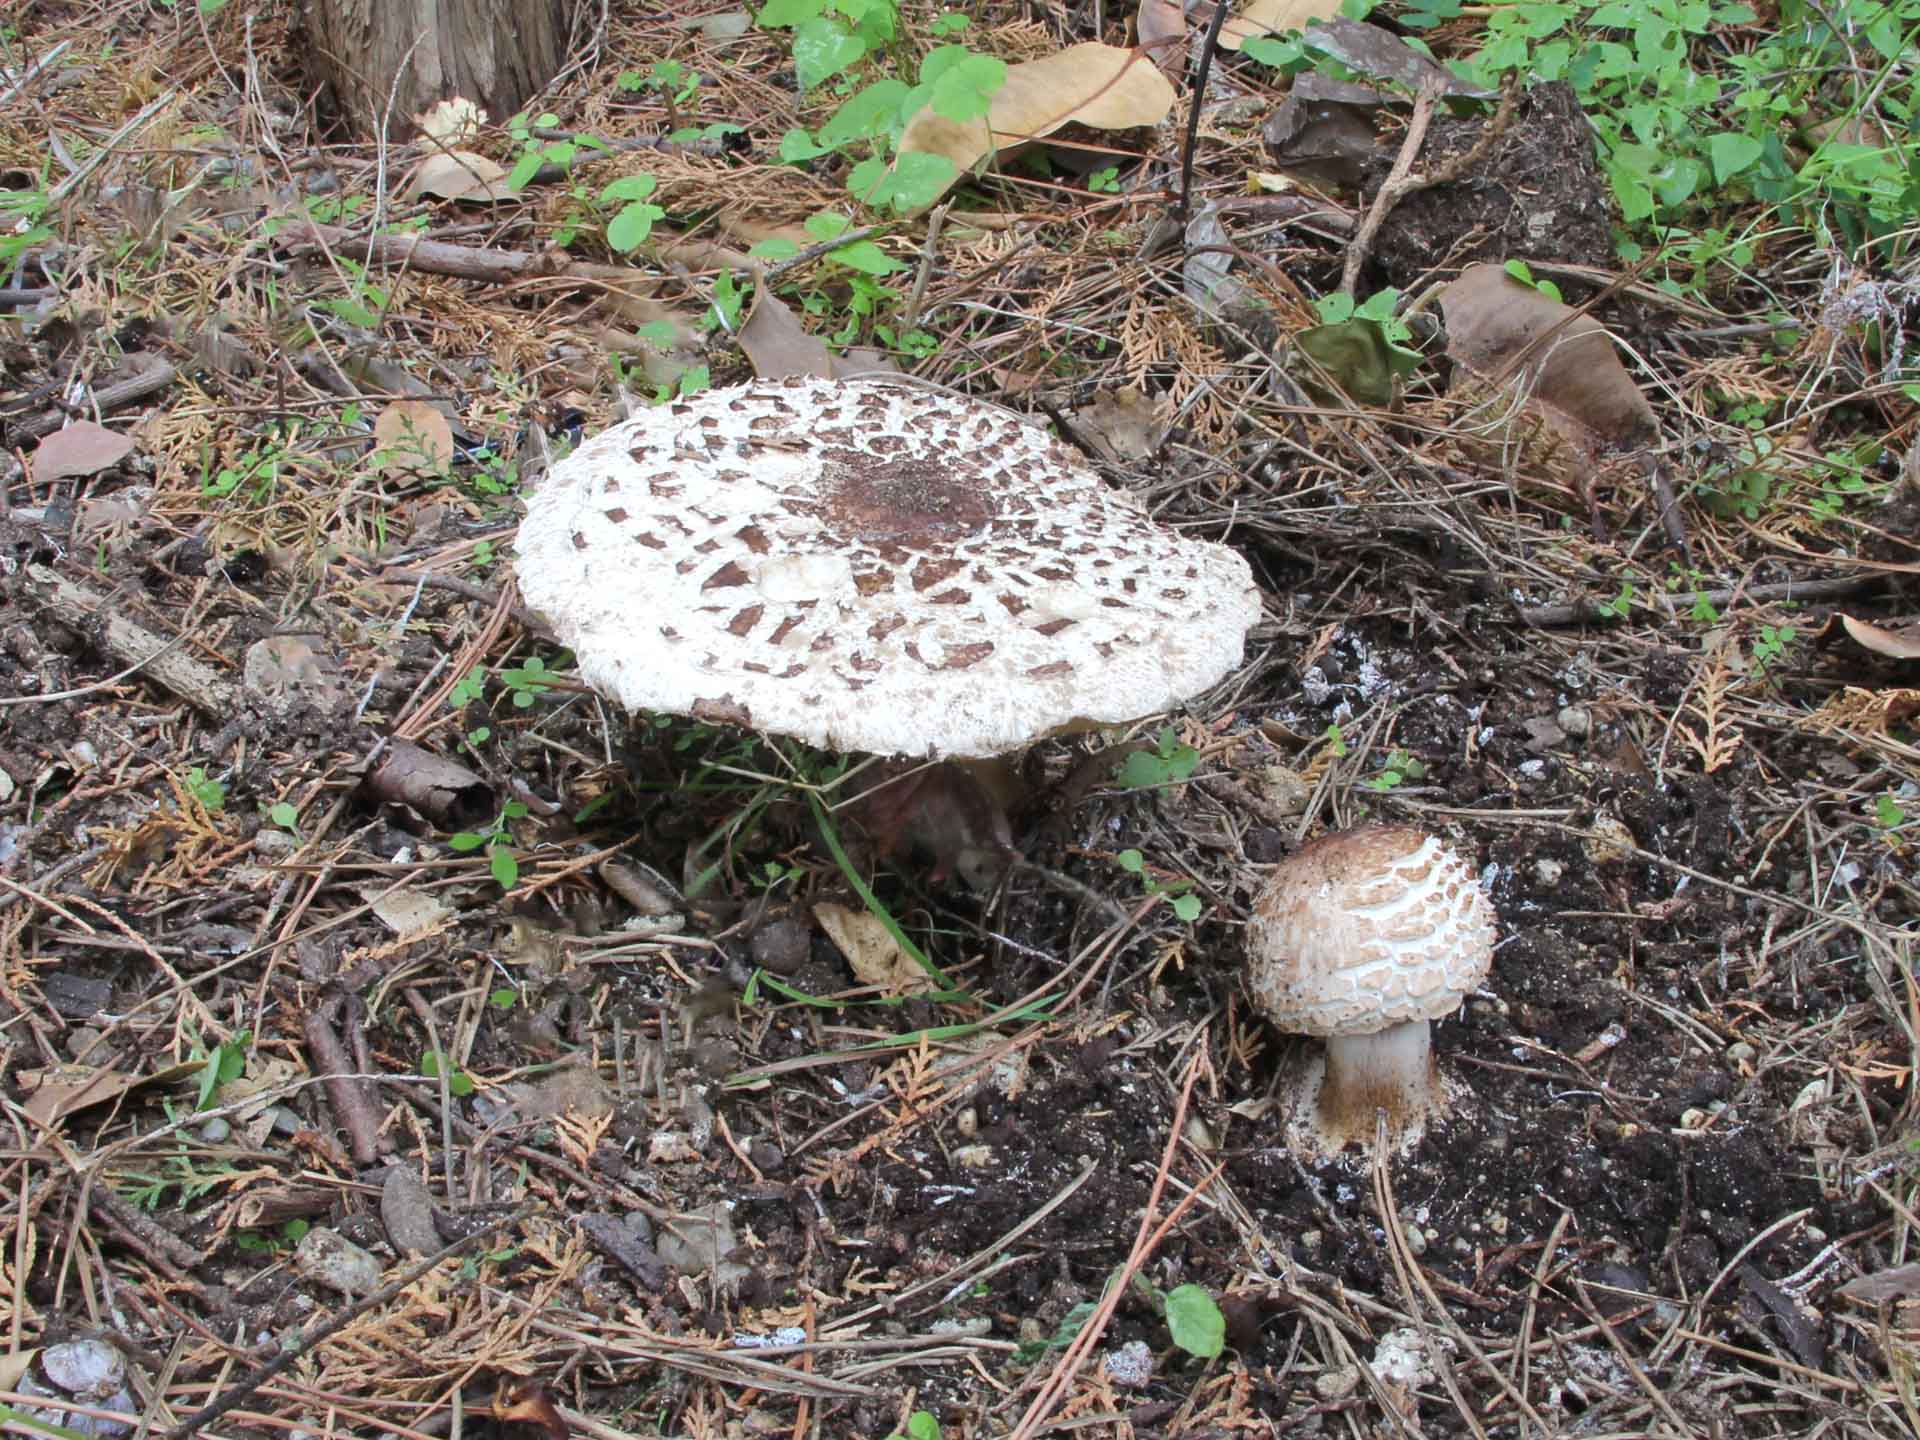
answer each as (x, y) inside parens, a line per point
(905, 501)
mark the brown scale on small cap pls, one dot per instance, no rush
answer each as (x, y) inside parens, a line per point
(868, 565)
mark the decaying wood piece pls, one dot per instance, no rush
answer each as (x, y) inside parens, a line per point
(95, 615)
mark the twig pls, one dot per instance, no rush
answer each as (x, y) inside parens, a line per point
(1207, 49)
(93, 614)
(303, 1343)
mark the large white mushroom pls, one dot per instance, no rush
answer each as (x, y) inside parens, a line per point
(867, 565)
(1364, 937)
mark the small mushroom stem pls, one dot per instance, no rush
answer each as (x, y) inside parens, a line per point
(1390, 1070)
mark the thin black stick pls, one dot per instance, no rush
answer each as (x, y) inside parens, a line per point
(1193, 114)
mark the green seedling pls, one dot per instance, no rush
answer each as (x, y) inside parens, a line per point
(527, 683)
(921, 1425)
(1336, 742)
(497, 840)
(210, 795)
(226, 1063)
(285, 815)
(434, 1063)
(1400, 766)
(1771, 650)
(1620, 606)
(1171, 760)
(1185, 906)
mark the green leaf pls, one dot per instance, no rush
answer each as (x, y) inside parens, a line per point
(774, 248)
(1131, 861)
(283, 815)
(822, 49)
(1731, 153)
(504, 865)
(914, 181)
(870, 112)
(866, 257)
(1195, 1321)
(964, 84)
(627, 231)
(785, 14)
(524, 169)
(797, 145)
(1187, 907)
(628, 187)
(465, 840)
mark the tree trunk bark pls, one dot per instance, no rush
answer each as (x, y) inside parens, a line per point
(390, 59)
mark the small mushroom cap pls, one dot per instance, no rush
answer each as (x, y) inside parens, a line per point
(1368, 928)
(866, 565)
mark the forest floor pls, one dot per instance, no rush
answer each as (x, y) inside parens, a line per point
(340, 925)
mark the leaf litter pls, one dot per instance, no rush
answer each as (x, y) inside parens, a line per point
(1677, 1194)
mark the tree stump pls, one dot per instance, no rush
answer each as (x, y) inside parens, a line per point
(496, 53)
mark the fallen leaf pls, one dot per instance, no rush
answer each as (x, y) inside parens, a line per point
(1268, 17)
(459, 175)
(1882, 1286)
(1324, 129)
(289, 673)
(778, 344)
(411, 914)
(874, 955)
(1121, 424)
(1105, 87)
(83, 448)
(411, 437)
(1381, 55)
(1550, 358)
(1162, 28)
(1863, 712)
(1902, 643)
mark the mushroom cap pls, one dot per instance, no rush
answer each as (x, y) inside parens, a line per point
(869, 566)
(1365, 929)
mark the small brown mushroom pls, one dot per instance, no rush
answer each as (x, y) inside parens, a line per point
(1364, 937)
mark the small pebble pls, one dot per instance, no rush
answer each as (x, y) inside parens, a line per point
(1576, 720)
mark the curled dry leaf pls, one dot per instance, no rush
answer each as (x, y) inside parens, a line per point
(459, 175)
(1543, 360)
(1120, 423)
(778, 344)
(1162, 28)
(1101, 86)
(1896, 643)
(412, 437)
(83, 448)
(874, 955)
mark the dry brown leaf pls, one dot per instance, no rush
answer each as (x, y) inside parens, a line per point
(1902, 643)
(1271, 17)
(1162, 29)
(1120, 423)
(778, 344)
(83, 448)
(459, 175)
(1102, 86)
(874, 955)
(1558, 362)
(411, 437)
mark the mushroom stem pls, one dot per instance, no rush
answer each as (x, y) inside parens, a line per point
(1390, 1070)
